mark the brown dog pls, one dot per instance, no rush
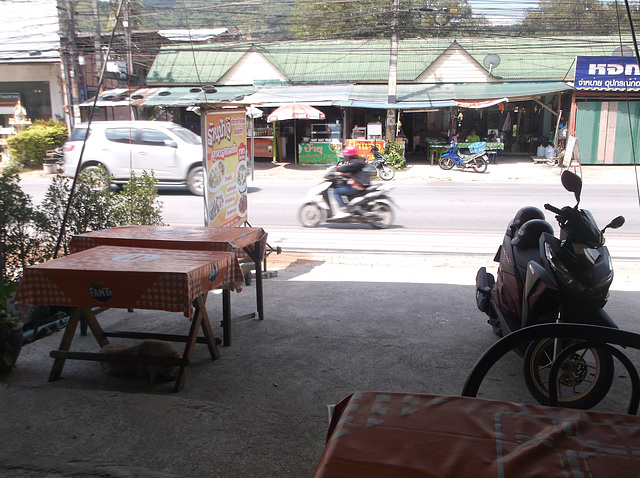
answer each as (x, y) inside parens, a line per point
(147, 348)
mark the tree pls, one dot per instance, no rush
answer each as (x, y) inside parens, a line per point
(577, 17)
(372, 19)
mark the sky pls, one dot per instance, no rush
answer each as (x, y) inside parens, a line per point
(502, 12)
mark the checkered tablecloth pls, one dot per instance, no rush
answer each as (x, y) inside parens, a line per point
(130, 277)
(233, 239)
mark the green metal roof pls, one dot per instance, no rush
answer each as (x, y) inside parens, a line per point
(367, 61)
(191, 65)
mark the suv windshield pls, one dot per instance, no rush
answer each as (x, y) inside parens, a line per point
(186, 135)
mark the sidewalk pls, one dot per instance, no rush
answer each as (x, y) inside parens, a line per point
(509, 168)
(333, 325)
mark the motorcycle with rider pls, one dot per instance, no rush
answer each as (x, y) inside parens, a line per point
(349, 186)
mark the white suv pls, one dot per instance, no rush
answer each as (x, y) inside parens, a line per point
(172, 152)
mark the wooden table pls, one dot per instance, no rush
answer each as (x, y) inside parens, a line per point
(243, 241)
(381, 435)
(131, 277)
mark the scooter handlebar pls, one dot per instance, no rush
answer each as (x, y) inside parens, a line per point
(552, 208)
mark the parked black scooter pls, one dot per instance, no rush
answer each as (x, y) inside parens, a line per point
(383, 169)
(543, 279)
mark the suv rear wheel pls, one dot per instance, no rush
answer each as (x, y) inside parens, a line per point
(100, 175)
(195, 181)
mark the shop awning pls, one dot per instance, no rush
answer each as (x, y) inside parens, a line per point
(315, 95)
(193, 95)
(122, 97)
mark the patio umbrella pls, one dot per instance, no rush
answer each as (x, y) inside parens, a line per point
(295, 111)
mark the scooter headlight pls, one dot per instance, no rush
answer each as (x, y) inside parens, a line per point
(561, 272)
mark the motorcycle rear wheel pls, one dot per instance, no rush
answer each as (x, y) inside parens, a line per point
(311, 215)
(386, 172)
(446, 163)
(584, 379)
(479, 165)
(384, 215)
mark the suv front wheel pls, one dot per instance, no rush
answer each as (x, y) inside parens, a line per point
(195, 181)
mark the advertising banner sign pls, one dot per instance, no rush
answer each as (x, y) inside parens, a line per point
(225, 179)
(364, 147)
(318, 153)
(607, 73)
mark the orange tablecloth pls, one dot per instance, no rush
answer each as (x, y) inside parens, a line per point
(129, 277)
(233, 239)
(376, 434)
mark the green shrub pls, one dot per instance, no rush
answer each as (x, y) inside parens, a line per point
(28, 148)
(22, 230)
(394, 151)
(138, 202)
(95, 206)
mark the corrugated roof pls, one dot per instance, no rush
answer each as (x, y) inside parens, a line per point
(191, 65)
(367, 61)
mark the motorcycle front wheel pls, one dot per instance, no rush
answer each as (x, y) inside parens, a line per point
(446, 163)
(386, 172)
(384, 215)
(584, 377)
(311, 215)
(479, 165)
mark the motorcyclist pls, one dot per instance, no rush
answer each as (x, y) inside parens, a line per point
(358, 178)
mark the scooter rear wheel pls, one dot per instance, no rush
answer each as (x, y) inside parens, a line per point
(446, 163)
(311, 215)
(386, 172)
(384, 215)
(479, 165)
(584, 379)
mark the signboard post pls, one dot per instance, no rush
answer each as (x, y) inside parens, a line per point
(225, 176)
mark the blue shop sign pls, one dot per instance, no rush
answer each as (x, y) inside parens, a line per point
(607, 73)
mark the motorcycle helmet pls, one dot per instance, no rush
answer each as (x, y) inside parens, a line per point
(529, 234)
(523, 215)
(350, 152)
(526, 214)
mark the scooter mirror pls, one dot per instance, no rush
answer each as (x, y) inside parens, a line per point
(572, 183)
(615, 224)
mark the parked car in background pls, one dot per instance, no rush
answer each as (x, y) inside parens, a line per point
(171, 152)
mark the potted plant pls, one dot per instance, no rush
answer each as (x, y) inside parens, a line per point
(10, 331)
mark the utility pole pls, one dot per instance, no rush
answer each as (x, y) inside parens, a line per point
(127, 40)
(70, 61)
(390, 129)
(97, 41)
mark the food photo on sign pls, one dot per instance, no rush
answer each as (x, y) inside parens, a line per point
(226, 168)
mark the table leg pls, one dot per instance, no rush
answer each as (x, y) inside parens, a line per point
(256, 254)
(226, 317)
(206, 328)
(89, 318)
(191, 342)
(65, 343)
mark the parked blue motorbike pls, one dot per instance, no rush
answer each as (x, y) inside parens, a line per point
(477, 160)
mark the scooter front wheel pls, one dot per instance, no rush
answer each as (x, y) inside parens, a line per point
(479, 165)
(446, 163)
(311, 215)
(584, 377)
(386, 172)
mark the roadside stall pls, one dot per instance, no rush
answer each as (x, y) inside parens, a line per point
(307, 153)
